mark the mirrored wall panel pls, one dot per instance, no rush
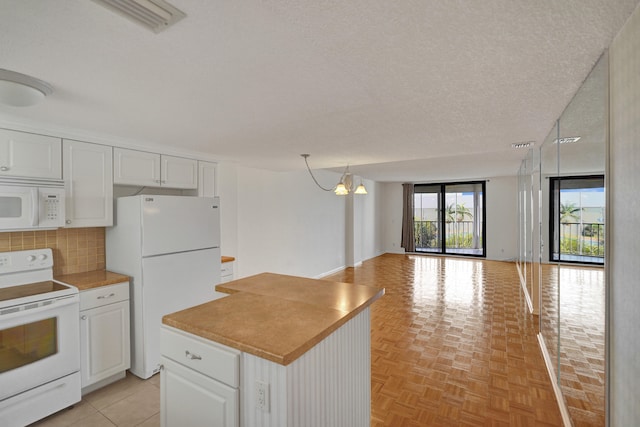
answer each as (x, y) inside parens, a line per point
(572, 249)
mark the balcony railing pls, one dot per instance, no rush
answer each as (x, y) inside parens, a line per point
(426, 234)
(584, 239)
(459, 235)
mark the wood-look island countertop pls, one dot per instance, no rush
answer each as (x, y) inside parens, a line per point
(92, 279)
(274, 316)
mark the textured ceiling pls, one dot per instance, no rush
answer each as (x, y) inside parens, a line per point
(411, 90)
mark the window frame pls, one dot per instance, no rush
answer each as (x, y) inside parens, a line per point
(552, 219)
(442, 250)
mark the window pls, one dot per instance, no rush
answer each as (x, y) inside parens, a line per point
(450, 218)
(577, 219)
(25, 344)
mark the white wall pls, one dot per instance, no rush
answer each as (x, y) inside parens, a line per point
(392, 217)
(502, 218)
(501, 221)
(365, 238)
(283, 223)
(371, 221)
(623, 224)
(228, 191)
(287, 225)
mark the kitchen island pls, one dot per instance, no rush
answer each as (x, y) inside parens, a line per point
(278, 351)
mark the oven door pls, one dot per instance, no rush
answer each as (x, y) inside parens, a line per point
(38, 344)
(18, 207)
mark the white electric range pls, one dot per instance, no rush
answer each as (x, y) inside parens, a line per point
(39, 339)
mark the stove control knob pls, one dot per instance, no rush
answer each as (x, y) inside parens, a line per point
(42, 257)
(31, 258)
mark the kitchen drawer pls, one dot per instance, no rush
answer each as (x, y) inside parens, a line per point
(226, 271)
(214, 360)
(103, 295)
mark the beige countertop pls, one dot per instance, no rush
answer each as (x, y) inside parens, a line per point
(92, 279)
(274, 316)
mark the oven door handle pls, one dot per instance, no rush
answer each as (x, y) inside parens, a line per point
(20, 311)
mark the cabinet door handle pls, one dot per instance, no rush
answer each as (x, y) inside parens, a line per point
(83, 317)
(107, 296)
(192, 356)
(4, 168)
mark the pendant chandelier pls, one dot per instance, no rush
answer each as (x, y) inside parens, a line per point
(343, 187)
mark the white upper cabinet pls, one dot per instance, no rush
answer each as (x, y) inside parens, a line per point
(178, 172)
(207, 179)
(88, 179)
(133, 167)
(29, 155)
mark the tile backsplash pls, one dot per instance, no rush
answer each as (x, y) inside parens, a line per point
(75, 250)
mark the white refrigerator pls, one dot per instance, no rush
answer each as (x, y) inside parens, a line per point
(169, 246)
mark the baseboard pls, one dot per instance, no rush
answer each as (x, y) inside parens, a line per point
(523, 285)
(95, 386)
(330, 272)
(564, 411)
(339, 269)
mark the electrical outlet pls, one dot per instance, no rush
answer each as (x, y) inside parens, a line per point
(262, 396)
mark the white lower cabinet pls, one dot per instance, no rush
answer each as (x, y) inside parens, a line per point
(104, 335)
(189, 398)
(199, 382)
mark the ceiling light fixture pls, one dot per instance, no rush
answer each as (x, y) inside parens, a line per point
(344, 186)
(20, 90)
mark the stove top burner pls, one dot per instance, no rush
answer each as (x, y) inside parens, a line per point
(30, 289)
(26, 281)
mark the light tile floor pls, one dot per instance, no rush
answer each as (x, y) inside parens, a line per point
(128, 402)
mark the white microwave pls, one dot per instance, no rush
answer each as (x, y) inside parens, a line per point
(31, 204)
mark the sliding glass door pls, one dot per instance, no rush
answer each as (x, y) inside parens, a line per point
(450, 218)
(464, 217)
(577, 219)
(427, 202)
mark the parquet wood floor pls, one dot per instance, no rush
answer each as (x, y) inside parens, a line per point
(453, 344)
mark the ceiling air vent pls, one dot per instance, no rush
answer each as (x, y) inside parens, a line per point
(157, 15)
